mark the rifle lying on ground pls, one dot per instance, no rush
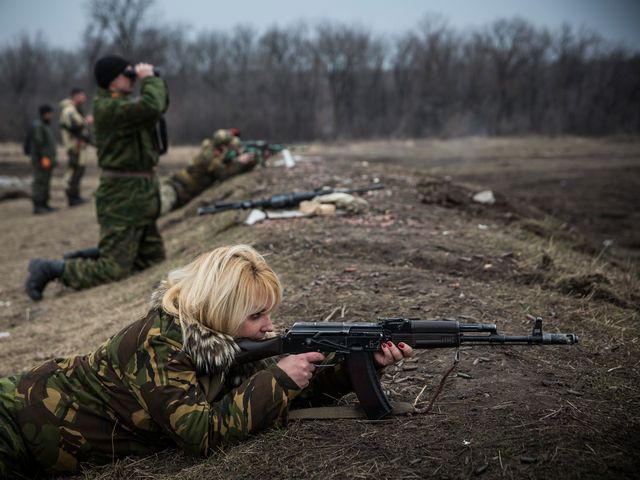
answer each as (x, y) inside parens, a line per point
(355, 343)
(282, 201)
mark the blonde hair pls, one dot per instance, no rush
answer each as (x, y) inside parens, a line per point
(221, 288)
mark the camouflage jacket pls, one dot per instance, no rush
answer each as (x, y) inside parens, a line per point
(125, 141)
(215, 162)
(155, 384)
(43, 143)
(73, 126)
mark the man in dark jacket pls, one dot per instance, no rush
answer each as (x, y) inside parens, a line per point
(127, 200)
(43, 159)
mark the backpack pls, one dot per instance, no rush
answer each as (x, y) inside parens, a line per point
(26, 144)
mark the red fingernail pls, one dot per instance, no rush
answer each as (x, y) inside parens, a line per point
(383, 345)
(389, 344)
(401, 345)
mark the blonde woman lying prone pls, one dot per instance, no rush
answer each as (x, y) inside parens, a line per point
(168, 379)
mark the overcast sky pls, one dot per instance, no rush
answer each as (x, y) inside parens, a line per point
(62, 21)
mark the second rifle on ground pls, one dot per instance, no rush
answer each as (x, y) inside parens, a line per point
(282, 201)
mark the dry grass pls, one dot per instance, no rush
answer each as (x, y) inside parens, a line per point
(526, 412)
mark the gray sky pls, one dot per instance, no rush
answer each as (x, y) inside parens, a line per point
(62, 21)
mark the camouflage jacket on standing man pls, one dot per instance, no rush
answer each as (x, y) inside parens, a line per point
(156, 384)
(73, 126)
(126, 144)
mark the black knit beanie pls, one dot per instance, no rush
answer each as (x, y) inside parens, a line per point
(45, 108)
(108, 68)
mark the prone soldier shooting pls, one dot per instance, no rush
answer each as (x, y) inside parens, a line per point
(221, 157)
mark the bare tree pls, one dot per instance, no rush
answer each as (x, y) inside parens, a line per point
(342, 81)
(120, 23)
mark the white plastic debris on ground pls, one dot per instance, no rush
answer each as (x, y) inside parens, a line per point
(256, 216)
(14, 182)
(289, 162)
(4, 334)
(287, 159)
(485, 197)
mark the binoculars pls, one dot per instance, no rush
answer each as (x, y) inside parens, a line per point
(131, 73)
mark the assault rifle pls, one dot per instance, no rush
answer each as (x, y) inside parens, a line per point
(78, 133)
(265, 148)
(355, 343)
(282, 201)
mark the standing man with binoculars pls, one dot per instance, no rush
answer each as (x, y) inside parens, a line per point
(127, 200)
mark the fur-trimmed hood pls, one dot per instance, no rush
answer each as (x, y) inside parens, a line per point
(212, 352)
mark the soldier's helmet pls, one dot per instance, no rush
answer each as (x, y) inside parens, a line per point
(222, 137)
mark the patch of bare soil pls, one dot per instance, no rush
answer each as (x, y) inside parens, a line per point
(423, 250)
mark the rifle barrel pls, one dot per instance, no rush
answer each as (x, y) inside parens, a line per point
(544, 339)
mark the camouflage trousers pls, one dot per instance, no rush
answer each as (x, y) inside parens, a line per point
(123, 250)
(75, 172)
(14, 456)
(40, 185)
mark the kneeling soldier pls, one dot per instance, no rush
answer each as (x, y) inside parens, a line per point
(127, 200)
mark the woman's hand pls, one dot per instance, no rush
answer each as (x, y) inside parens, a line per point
(391, 353)
(300, 367)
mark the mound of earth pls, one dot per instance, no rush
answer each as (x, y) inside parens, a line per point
(422, 250)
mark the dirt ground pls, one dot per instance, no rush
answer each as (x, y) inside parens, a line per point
(562, 241)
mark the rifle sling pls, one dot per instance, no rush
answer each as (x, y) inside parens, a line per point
(344, 412)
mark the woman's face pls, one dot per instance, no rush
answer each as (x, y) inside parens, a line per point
(256, 326)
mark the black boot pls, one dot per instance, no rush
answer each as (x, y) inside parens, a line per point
(91, 252)
(41, 272)
(40, 208)
(75, 200)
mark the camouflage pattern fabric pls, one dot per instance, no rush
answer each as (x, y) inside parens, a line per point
(139, 393)
(216, 161)
(127, 206)
(43, 144)
(75, 172)
(14, 456)
(72, 120)
(125, 142)
(122, 250)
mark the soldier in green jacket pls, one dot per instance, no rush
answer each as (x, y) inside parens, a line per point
(168, 379)
(43, 159)
(127, 200)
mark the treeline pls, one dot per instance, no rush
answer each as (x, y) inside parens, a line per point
(333, 81)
